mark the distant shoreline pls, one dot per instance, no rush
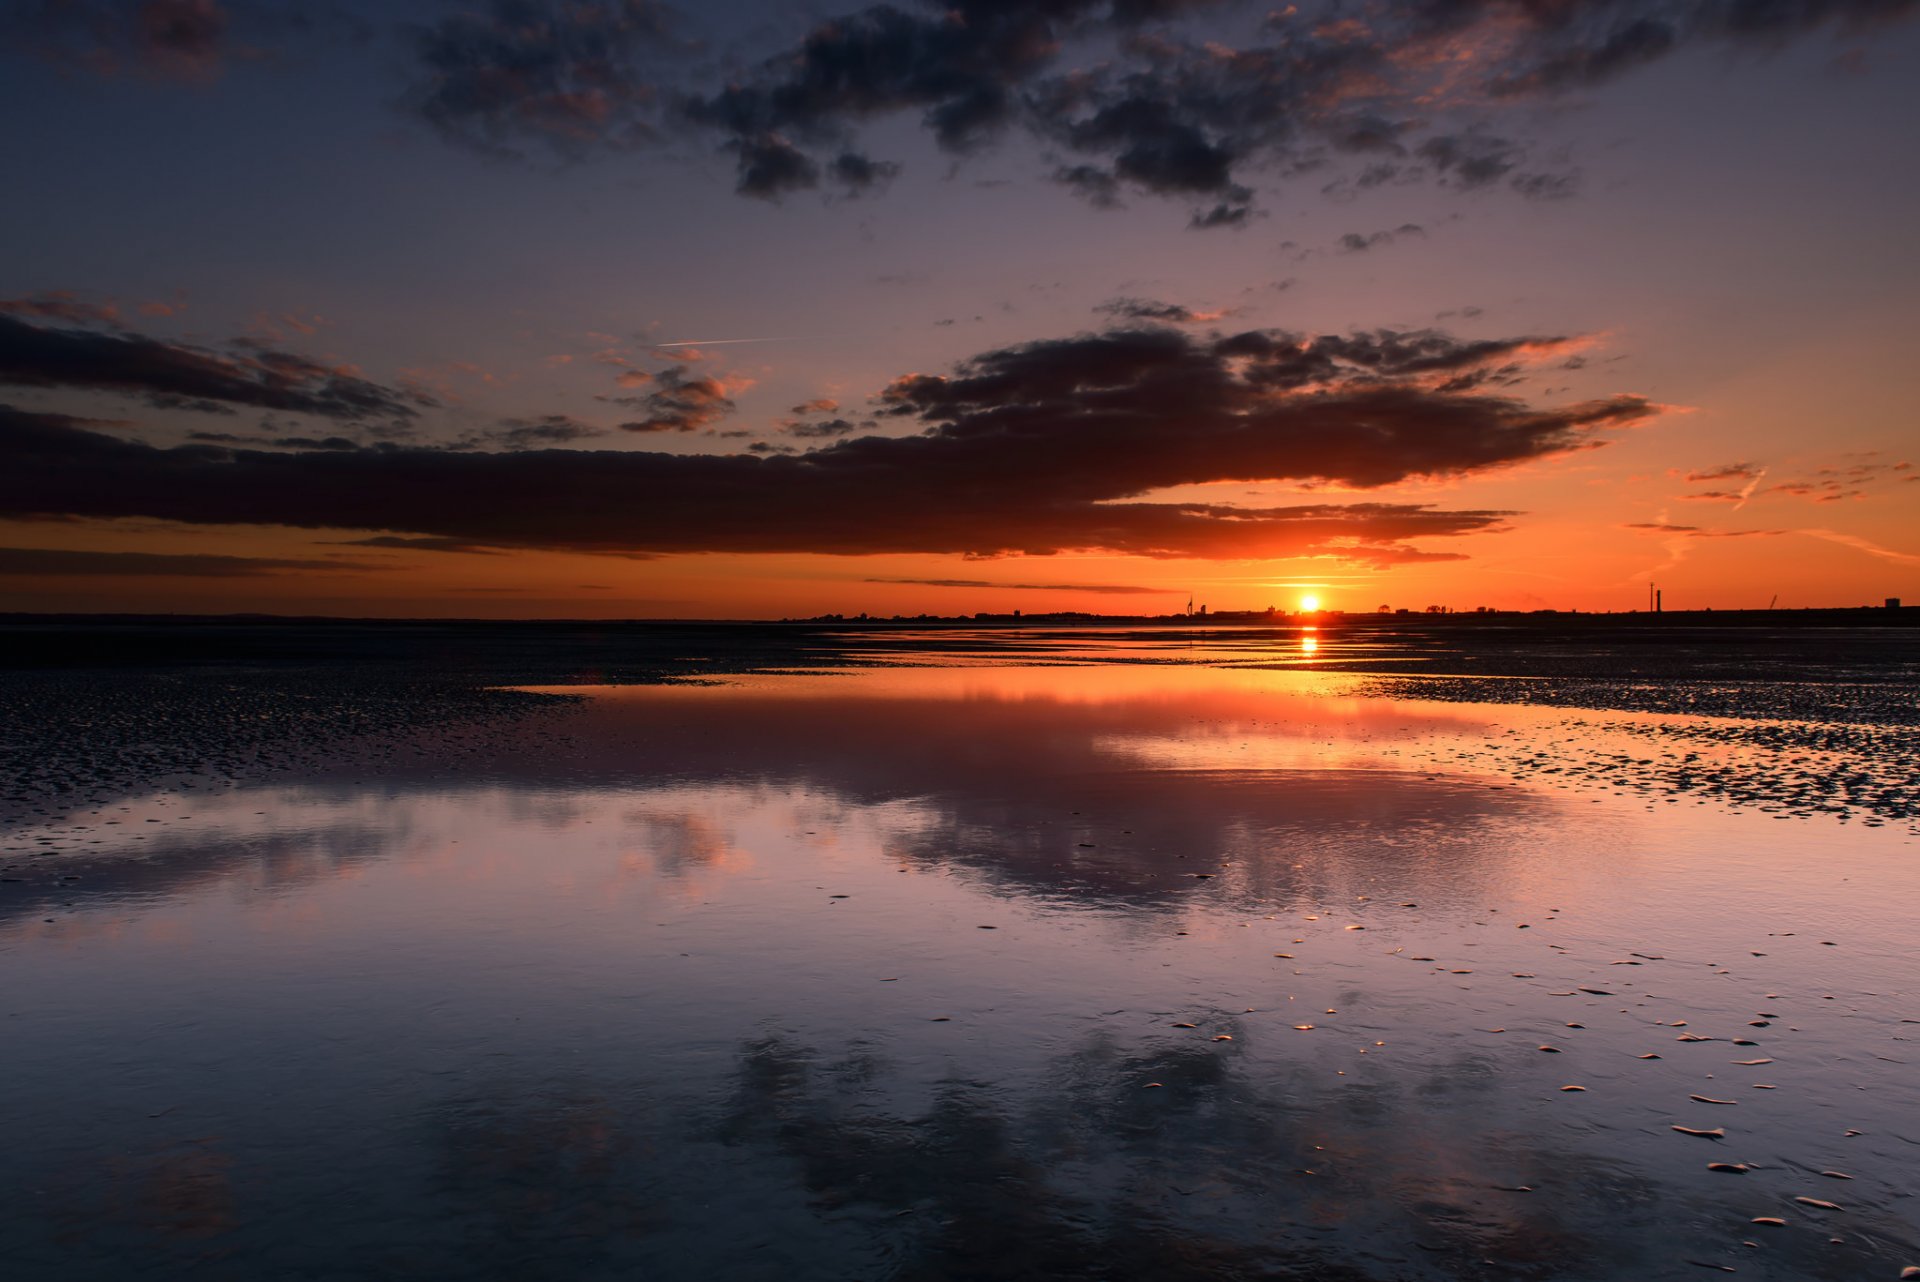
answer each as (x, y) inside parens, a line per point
(107, 705)
(1875, 616)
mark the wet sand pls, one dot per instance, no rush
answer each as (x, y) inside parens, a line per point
(1121, 961)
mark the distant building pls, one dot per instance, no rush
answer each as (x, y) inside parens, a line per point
(1893, 603)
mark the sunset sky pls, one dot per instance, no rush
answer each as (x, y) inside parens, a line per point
(614, 308)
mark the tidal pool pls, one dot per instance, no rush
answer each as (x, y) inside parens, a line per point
(1111, 971)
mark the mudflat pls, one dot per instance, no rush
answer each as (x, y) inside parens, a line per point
(582, 951)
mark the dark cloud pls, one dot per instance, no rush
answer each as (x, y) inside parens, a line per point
(1356, 243)
(30, 421)
(167, 39)
(530, 433)
(568, 75)
(177, 376)
(1546, 186)
(1602, 57)
(959, 66)
(1577, 45)
(1159, 407)
(1042, 447)
(1469, 161)
(1162, 111)
(971, 68)
(1092, 183)
(823, 429)
(856, 173)
(772, 167)
(678, 403)
(1224, 214)
(262, 441)
(1102, 589)
(1154, 147)
(1124, 94)
(64, 563)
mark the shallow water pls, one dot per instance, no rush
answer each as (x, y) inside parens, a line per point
(1115, 971)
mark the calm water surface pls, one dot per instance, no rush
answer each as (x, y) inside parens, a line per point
(964, 972)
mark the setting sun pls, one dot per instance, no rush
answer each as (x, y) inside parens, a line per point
(1309, 603)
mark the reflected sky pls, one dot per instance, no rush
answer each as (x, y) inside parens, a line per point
(1126, 971)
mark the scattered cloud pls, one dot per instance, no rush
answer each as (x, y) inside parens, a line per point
(1724, 472)
(565, 76)
(1833, 484)
(824, 429)
(1128, 96)
(680, 402)
(1356, 243)
(270, 327)
(1851, 481)
(545, 431)
(1149, 309)
(185, 40)
(1170, 112)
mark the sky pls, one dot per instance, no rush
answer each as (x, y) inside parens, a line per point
(616, 308)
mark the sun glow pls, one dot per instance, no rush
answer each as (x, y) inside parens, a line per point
(1309, 603)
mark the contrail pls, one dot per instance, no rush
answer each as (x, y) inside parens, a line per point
(1859, 544)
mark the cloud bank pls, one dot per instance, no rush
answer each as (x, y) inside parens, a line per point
(1149, 96)
(1043, 447)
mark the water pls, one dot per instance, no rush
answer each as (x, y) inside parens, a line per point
(969, 971)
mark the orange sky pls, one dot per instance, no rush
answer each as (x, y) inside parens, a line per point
(1470, 313)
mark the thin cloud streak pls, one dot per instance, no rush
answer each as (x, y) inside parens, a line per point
(65, 563)
(1100, 589)
(1859, 544)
